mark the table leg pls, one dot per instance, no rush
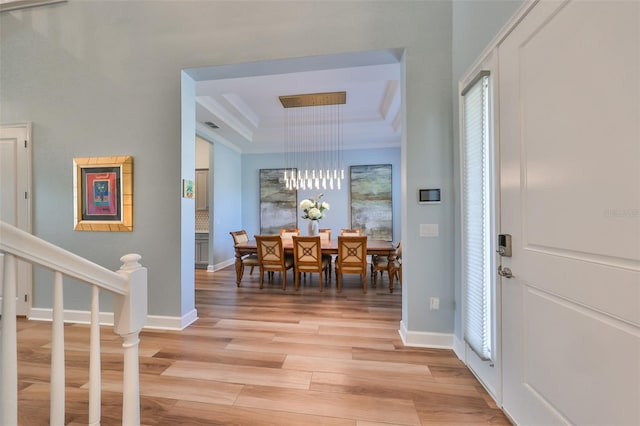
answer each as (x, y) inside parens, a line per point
(239, 268)
(391, 269)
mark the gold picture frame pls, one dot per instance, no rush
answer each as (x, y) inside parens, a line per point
(103, 194)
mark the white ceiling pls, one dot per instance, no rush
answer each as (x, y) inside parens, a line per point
(251, 118)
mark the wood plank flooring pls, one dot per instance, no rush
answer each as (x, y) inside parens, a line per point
(266, 357)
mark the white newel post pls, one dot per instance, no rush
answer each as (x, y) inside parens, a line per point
(130, 315)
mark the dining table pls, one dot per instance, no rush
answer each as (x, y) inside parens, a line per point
(374, 247)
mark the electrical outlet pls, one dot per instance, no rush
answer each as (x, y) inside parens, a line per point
(434, 303)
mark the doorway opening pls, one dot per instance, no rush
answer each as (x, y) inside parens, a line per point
(222, 104)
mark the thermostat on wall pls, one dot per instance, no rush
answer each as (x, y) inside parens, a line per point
(428, 196)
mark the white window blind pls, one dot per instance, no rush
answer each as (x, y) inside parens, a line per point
(476, 216)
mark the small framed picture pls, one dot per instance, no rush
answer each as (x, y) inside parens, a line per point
(187, 188)
(103, 194)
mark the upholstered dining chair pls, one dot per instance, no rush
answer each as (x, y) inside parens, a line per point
(345, 232)
(325, 235)
(307, 257)
(381, 264)
(271, 257)
(352, 259)
(287, 234)
(250, 260)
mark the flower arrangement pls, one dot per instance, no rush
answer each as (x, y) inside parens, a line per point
(314, 209)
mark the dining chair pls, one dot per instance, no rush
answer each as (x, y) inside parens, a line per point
(325, 235)
(307, 257)
(287, 234)
(381, 264)
(355, 232)
(352, 259)
(250, 260)
(272, 258)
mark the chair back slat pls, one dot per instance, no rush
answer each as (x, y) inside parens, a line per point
(307, 252)
(270, 250)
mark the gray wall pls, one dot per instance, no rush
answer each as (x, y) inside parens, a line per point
(102, 78)
(227, 207)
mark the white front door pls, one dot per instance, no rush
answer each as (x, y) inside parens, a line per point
(570, 197)
(15, 198)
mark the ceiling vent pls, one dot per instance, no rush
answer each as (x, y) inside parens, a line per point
(211, 124)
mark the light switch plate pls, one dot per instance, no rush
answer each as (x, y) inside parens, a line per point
(430, 230)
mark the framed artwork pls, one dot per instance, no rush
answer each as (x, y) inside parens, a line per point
(103, 194)
(278, 205)
(187, 188)
(371, 202)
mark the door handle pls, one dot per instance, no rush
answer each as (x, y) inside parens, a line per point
(505, 272)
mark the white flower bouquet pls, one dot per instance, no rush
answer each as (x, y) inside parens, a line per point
(314, 209)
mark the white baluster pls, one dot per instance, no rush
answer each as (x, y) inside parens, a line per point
(131, 380)
(95, 378)
(57, 354)
(8, 344)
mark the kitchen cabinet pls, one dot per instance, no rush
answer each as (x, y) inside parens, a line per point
(202, 250)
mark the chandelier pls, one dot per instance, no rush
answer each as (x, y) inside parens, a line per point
(314, 140)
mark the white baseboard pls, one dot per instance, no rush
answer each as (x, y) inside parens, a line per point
(458, 348)
(106, 318)
(221, 265)
(421, 339)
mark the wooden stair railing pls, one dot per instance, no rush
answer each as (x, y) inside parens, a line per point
(129, 287)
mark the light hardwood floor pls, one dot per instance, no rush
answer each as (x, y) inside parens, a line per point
(266, 357)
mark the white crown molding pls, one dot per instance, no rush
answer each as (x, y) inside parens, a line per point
(224, 116)
(389, 98)
(241, 106)
(205, 133)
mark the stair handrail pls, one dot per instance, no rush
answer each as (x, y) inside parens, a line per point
(37, 251)
(129, 286)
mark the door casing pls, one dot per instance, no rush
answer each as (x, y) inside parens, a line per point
(16, 192)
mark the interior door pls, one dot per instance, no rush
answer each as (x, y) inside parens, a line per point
(15, 198)
(570, 197)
